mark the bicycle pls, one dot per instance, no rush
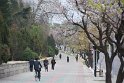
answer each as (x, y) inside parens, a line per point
(37, 75)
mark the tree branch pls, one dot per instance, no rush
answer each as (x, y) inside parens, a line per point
(94, 36)
(77, 5)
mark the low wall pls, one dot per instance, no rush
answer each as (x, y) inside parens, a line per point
(10, 69)
(15, 67)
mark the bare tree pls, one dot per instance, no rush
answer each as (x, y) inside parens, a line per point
(103, 18)
(106, 28)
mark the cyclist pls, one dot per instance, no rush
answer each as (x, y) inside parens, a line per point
(37, 68)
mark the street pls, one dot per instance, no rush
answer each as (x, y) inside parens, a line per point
(72, 72)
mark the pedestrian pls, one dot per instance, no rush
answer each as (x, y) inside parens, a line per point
(37, 68)
(76, 57)
(31, 63)
(60, 56)
(46, 63)
(53, 62)
(67, 59)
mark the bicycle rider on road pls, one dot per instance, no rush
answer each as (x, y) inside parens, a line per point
(37, 68)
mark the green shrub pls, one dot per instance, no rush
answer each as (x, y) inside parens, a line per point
(56, 51)
(0, 55)
(51, 51)
(28, 54)
(4, 54)
(0, 60)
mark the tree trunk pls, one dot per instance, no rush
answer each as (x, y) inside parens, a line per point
(120, 76)
(108, 75)
(108, 68)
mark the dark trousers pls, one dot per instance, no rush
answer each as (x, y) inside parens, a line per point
(53, 66)
(46, 67)
(37, 72)
(31, 68)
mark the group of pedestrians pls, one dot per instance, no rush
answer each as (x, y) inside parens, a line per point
(36, 65)
(76, 57)
(60, 56)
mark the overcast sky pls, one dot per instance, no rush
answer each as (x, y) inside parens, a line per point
(58, 18)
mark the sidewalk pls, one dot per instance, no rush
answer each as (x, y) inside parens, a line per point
(72, 72)
(96, 79)
(90, 75)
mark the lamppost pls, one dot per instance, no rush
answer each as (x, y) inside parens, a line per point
(95, 56)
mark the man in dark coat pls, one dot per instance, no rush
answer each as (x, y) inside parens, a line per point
(60, 56)
(76, 57)
(53, 62)
(31, 62)
(37, 68)
(67, 59)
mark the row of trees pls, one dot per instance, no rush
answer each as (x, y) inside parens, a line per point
(22, 36)
(70, 36)
(107, 19)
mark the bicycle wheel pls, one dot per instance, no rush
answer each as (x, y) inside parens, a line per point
(36, 75)
(39, 76)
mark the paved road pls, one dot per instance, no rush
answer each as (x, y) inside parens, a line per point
(72, 72)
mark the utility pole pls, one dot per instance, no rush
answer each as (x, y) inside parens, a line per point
(95, 56)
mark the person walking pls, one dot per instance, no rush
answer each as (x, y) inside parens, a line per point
(76, 57)
(31, 63)
(37, 68)
(53, 62)
(67, 59)
(60, 56)
(46, 63)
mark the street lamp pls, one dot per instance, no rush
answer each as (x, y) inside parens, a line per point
(95, 52)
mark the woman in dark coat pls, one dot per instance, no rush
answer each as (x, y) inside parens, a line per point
(46, 62)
